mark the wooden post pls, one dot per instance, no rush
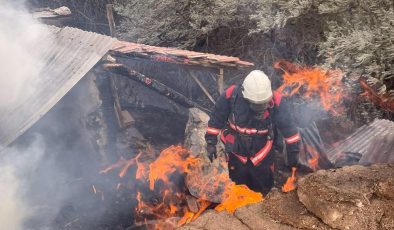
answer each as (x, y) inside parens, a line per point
(206, 92)
(111, 21)
(221, 81)
(123, 117)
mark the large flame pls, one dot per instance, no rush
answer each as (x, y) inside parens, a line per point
(176, 160)
(311, 82)
(170, 160)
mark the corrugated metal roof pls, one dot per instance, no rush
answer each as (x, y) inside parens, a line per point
(379, 135)
(66, 56)
(179, 56)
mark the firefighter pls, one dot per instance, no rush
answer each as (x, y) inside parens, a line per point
(244, 117)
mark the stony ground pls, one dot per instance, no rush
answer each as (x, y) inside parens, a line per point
(354, 197)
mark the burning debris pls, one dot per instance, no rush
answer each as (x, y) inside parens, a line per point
(164, 176)
(290, 184)
(313, 82)
(179, 185)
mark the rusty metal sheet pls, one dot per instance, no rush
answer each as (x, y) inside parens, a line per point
(66, 55)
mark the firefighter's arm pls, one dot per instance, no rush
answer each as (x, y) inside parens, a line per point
(217, 119)
(287, 128)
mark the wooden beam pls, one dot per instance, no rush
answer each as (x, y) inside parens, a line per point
(206, 92)
(154, 84)
(111, 21)
(221, 81)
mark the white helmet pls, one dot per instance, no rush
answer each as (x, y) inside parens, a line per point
(257, 87)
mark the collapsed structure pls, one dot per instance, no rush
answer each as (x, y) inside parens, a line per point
(108, 94)
(69, 54)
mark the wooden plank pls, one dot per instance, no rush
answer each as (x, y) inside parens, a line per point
(127, 119)
(221, 81)
(111, 21)
(199, 83)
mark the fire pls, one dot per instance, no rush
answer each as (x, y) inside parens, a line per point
(170, 160)
(190, 216)
(313, 161)
(290, 184)
(170, 198)
(312, 82)
(125, 164)
(236, 196)
(385, 100)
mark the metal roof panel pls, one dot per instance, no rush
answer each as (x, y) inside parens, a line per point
(375, 142)
(67, 54)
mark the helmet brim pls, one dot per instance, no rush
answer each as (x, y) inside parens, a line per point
(259, 102)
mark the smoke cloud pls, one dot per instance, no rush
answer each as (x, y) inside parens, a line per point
(47, 174)
(20, 64)
(14, 166)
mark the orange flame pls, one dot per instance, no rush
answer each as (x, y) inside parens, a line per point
(191, 216)
(236, 196)
(125, 164)
(176, 159)
(290, 183)
(170, 160)
(314, 160)
(311, 82)
(385, 101)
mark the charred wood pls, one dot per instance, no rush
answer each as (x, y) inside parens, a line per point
(154, 84)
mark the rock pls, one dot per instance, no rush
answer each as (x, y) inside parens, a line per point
(195, 132)
(215, 220)
(192, 203)
(287, 209)
(63, 11)
(208, 182)
(354, 197)
(203, 182)
(254, 217)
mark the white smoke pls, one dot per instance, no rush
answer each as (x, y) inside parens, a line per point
(19, 66)
(14, 166)
(12, 211)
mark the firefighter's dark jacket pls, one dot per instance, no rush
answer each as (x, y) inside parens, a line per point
(232, 115)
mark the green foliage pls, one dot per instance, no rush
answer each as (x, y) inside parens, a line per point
(362, 40)
(177, 23)
(354, 35)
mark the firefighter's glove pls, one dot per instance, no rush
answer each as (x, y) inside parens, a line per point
(292, 159)
(211, 150)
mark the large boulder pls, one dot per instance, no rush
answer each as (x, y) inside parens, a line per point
(354, 197)
(279, 211)
(287, 209)
(255, 218)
